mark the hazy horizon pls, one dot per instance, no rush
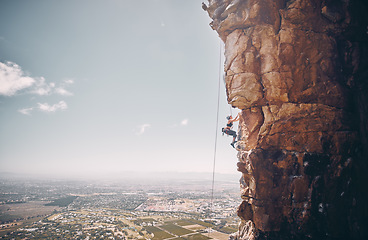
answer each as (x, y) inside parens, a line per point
(129, 175)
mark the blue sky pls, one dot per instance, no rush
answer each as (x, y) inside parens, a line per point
(103, 87)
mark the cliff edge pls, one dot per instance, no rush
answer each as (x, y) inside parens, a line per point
(298, 70)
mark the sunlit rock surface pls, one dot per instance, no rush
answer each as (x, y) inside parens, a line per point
(298, 70)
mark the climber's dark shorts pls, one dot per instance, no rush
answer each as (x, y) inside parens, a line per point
(229, 132)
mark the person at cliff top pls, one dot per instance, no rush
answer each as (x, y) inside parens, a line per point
(227, 130)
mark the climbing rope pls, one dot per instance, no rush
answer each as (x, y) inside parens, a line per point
(215, 148)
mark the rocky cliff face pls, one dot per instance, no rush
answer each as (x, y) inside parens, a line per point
(298, 70)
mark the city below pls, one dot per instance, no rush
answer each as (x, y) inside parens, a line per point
(183, 207)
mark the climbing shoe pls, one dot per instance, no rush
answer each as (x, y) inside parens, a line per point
(233, 144)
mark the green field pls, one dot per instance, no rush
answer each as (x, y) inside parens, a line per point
(227, 230)
(62, 202)
(205, 224)
(21, 211)
(159, 234)
(8, 218)
(175, 229)
(197, 237)
(183, 222)
(148, 220)
(192, 237)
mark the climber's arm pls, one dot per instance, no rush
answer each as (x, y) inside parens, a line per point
(236, 118)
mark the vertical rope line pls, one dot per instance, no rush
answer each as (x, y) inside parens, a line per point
(215, 148)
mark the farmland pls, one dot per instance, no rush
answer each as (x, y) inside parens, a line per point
(11, 212)
(175, 229)
(113, 211)
(158, 233)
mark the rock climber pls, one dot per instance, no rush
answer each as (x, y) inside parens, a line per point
(227, 130)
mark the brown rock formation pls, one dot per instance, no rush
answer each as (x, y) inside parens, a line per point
(298, 70)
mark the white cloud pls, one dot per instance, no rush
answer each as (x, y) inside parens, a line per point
(12, 79)
(142, 128)
(184, 122)
(26, 111)
(42, 88)
(68, 81)
(63, 91)
(45, 107)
